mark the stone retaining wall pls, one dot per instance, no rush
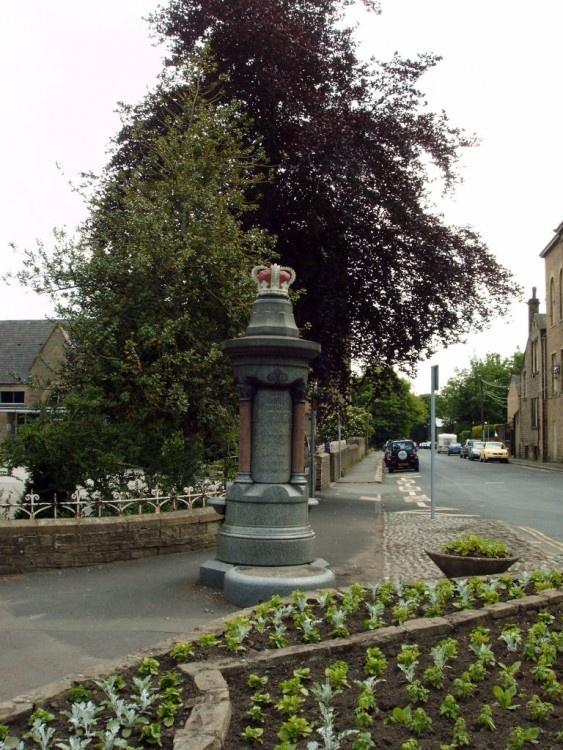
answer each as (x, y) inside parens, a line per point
(349, 455)
(327, 464)
(64, 543)
(322, 471)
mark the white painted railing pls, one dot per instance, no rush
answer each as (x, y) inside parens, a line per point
(87, 504)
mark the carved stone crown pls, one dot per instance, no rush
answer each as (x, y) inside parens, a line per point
(273, 280)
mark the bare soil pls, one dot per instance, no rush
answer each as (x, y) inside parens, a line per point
(392, 693)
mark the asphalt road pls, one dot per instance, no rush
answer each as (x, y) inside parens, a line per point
(525, 496)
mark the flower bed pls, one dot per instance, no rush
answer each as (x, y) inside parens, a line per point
(483, 684)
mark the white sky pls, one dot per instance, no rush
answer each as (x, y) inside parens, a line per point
(66, 63)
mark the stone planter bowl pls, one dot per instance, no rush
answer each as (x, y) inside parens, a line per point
(458, 566)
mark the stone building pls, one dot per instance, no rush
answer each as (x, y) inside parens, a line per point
(535, 404)
(31, 352)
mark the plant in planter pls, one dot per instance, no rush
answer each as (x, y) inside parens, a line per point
(472, 555)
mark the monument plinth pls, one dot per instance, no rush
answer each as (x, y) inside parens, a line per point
(266, 522)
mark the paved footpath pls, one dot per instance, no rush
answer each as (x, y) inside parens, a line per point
(74, 621)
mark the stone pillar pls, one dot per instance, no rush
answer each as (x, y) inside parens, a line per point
(266, 512)
(246, 393)
(299, 394)
(266, 522)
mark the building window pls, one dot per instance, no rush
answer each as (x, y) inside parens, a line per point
(535, 413)
(524, 384)
(12, 397)
(535, 359)
(552, 302)
(561, 295)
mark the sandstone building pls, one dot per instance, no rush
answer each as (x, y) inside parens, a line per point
(31, 352)
(535, 401)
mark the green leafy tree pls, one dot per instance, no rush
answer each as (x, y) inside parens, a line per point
(354, 150)
(68, 443)
(355, 421)
(478, 393)
(150, 289)
(395, 411)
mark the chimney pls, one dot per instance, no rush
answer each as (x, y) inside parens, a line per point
(533, 309)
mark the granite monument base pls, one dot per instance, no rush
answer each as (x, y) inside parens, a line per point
(266, 525)
(247, 586)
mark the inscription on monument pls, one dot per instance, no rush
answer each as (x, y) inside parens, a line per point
(271, 436)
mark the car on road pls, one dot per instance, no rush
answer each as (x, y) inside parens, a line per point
(386, 450)
(466, 447)
(475, 450)
(425, 444)
(401, 455)
(494, 451)
(454, 449)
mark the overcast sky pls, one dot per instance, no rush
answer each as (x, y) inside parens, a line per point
(66, 63)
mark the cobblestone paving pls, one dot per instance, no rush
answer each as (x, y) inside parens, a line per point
(405, 537)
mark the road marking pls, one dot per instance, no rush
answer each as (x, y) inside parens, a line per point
(543, 538)
(404, 484)
(369, 497)
(446, 507)
(438, 512)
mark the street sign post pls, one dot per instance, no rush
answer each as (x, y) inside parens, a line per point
(434, 387)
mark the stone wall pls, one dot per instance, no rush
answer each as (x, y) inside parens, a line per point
(322, 471)
(46, 543)
(348, 456)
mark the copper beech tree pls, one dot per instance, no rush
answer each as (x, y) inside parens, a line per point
(352, 148)
(335, 156)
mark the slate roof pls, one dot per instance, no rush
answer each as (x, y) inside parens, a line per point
(20, 343)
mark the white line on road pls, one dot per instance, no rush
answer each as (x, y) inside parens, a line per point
(438, 512)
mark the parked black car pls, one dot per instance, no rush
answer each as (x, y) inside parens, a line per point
(401, 454)
(387, 450)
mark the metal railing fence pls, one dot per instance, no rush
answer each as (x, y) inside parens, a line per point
(87, 504)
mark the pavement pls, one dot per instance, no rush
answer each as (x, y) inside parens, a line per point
(78, 621)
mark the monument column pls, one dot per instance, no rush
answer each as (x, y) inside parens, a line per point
(265, 543)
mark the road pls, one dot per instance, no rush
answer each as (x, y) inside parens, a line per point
(526, 497)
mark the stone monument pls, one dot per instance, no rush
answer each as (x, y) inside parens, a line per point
(265, 544)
